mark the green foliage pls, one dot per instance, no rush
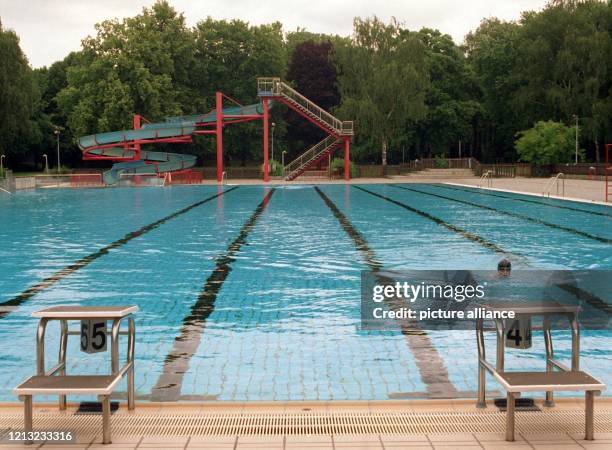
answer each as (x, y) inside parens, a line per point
(19, 98)
(441, 161)
(337, 165)
(382, 81)
(546, 143)
(403, 89)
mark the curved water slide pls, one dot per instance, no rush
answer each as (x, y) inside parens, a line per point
(125, 146)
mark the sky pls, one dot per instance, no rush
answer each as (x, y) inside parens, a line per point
(50, 29)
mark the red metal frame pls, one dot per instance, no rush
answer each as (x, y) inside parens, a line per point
(608, 172)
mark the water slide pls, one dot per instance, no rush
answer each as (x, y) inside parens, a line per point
(124, 146)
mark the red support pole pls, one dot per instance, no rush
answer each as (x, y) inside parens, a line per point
(219, 133)
(347, 159)
(266, 175)
(137, 118)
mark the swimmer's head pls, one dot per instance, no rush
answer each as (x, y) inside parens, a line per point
(504, 266)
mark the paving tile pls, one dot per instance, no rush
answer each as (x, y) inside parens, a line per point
(557, 446)
(112, 446)
(455, 438)
(454, 446)
(359, 446)
(121, 439)
(594, 445)
(299, 446)
(154, 440)
(501, 445)
(496, 437)
(408, 446)
(412, 437)
(211, 441)
(546, 438)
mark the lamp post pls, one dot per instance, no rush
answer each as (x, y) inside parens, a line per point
(46, 163)
(576, 159)
(283, 160)
(57, 134)
(2, 164)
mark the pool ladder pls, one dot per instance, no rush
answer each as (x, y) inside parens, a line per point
(554, 181)
(486, 177)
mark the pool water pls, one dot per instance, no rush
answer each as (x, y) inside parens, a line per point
(284, 325)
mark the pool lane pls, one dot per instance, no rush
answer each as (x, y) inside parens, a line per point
(162, 273)
(598, 210)
(457, 348)
(43, 231)
(543, 246)
(285, 324)
(432, 370)
(176, 363)
(83, 262)
(509, 213)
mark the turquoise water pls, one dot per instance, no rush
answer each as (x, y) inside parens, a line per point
(285, 323)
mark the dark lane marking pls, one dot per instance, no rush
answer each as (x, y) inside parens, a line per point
(431, 367)
(63, 273)
(511, 214)
(481, 192)
(168, 386)
(473, 237)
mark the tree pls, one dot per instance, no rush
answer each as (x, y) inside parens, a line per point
(382, 81)
(546, 143)
(229, 56)
(565, 66)
(19, 99)
(312, 72)
(492, 55)
(139, 65)
(452, 98)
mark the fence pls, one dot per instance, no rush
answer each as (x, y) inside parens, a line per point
(185, 177)
(504, 170)
(441, 163)
(86, 180)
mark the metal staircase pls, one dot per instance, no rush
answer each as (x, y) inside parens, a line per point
(279, 90)
(336, 129)
(310, 157)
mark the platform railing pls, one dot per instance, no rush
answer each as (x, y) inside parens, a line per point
(274, 87)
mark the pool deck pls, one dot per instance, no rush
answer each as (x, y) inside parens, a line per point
(415, 424)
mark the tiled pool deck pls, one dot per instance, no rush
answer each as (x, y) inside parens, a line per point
(435, 424)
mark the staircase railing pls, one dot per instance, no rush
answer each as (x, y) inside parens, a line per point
(309, 155)
(554, 181)
(276, 87)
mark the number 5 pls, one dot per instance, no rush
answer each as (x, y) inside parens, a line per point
(99, 331)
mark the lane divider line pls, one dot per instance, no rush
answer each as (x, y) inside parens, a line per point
(430, 365)
(187, 342)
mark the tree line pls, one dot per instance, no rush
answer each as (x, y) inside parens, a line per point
(412, 94)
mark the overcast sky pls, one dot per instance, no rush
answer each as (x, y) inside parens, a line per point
(50, 29)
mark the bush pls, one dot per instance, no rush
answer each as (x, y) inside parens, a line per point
(337, 164)
(546, 143)
(441, 161)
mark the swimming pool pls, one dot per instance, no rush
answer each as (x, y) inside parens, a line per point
(263, 283)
